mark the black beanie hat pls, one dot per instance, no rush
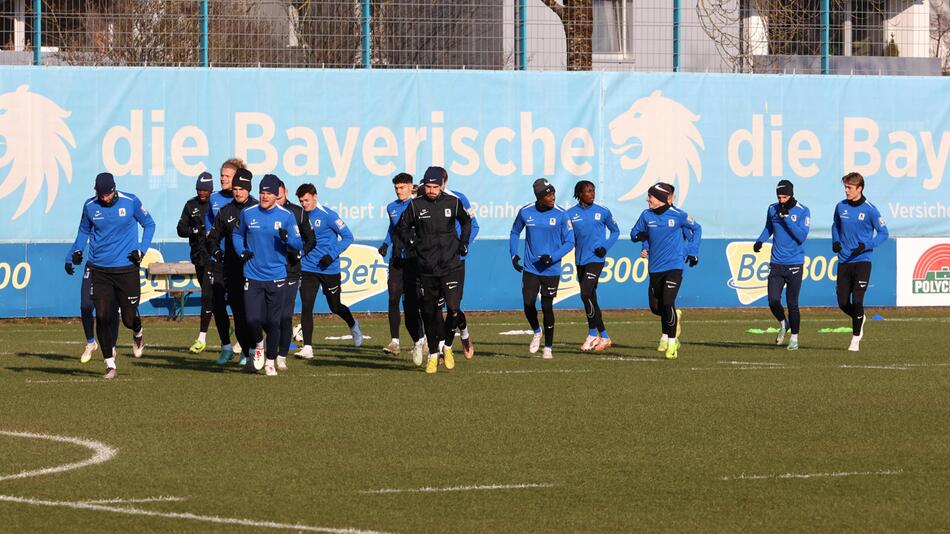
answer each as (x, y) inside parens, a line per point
(242, 179)
(660, 191)
(785, 187)
(433, 175)
(270, 184)
(105, 183)
(542, 187)
(205, 182)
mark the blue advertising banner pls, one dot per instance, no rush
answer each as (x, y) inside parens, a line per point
(730, 274)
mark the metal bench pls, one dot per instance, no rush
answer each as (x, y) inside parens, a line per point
(165, 272)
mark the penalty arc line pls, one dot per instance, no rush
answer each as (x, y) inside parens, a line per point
(103, 453)
(836, 474)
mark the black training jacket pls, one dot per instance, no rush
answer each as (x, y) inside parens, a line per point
(429, 227)
(192, 225)
(228, 219)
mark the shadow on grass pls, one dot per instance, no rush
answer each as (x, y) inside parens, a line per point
(50, 356)
(753, 344)
(360, 361)
(61, 371)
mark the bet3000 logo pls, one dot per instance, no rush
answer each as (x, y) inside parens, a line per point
(363, 274)
(750, 271)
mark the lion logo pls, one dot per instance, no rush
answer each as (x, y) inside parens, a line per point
(33, 139)
(662, 137)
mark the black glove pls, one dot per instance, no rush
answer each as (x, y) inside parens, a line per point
(600, 252)
(383, 250)
(546, 260)
(246, 256)
(70, 270)
(858, 249)
(325, 261)
(77, 257)
(135, 257)
(836, 247)
(516, 263)
(782, 211)
(641, 236)
(757, 247)
(463, 249)
(282, 233)
(692, 260)
(218, 255)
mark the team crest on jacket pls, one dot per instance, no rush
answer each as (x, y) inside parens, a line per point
(659, 135)
(36, 140)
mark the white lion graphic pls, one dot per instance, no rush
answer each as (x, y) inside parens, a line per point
(33, 137)
(664, 132)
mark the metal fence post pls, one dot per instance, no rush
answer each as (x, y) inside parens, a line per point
(825, 34)
(676, 35)
(37, 32)
(367, 63)
(522, 35)
(204, 33)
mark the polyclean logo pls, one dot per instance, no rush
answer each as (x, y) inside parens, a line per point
(33, 147)
(363, 273)
(750, 271)
(932, 272)
(658, 133)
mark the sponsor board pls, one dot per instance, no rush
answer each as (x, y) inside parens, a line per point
(923, 272)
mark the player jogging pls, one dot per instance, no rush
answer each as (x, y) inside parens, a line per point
(788, 222)
(232, 267)
(192, 225)
(591, 223)
(674, 239)
(110, 223)
(321, 267)
(431, 218)
(293, 274)
(548, 238)
(857, 230)
(402, 279)
(261, 240)
(468, 348)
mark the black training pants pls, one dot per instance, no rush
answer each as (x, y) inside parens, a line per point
(589, 276)
(531, 285)
(432, 289)
(662, 294)
(789, 277)
(853, 280)
(309, 284)
(113, 291)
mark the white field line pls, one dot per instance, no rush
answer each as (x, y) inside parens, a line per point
(752, 368)
(531, 371)
(730, 321)
(134, 501)
(836, 474)
(516, 333)
(457, 488)
(86, 381)
(884, 367)
(635, 360)
(767, 364)
(183, 515)
(335, 375)
(103, 453)
(348, 336)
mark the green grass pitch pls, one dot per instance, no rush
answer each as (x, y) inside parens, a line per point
(735, 435)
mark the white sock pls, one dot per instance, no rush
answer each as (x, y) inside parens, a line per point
(110, 363)
(227, 347)
(260, 344)
(434, 356)
(465, 333)
(782, 325)
(307, 347)
(441, 345)
(140, 332)
(202, 336)
(664, 337)
(794, 337)
(395, 340)
(672, 340)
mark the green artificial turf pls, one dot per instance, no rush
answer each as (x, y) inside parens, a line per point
(735, 435)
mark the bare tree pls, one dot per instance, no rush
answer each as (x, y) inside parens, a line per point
(577, 17)
(940, 33)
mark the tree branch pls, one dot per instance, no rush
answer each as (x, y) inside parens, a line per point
(557, 8)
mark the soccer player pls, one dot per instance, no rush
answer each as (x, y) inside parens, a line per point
(86, 306)
(788, 222)
(192, 225)
(591, 224)
(402, 281)
(262, 239)
(674, 239)
(857, 230)
(431, 218)
(548, 238)
(294, 258)
(321, 267)
(232, 267)
(468, 348)
(109, 222)
(219, 290)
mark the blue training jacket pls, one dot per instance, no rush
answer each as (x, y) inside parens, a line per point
(471, 213)
(394, 209)
(854, 223)
(591, 224)
(546, 232)
(216, 201)
(259, 231)
(333, 237)
(789, 233)
(112, 231)
(673, 235)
